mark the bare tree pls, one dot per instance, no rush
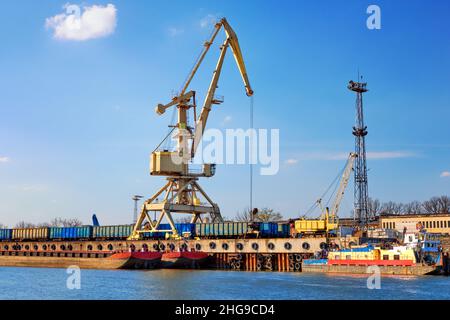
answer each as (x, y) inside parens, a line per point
(268, 215)
(60, 222)
(392, 208)
(23, 224)
(263, 215)
(244, 215)
(374, 207)
(413, 207)
(437, 205)
(74, 222)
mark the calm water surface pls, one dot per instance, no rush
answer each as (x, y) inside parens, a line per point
(36, 283)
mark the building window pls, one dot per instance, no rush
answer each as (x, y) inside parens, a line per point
(396, 257)
(385, 257)
(349, 257)
(434, 224)
(393, 227)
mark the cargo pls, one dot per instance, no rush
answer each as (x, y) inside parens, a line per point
(30, 233)
(224, 229)
(268, 229)
(181, 228)
(71, 232)
(5, 234)
(113, 232)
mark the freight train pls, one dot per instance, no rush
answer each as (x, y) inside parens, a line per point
(120, 232)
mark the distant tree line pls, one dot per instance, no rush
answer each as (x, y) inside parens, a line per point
(434, 205)
(56, 222)
(262, 215)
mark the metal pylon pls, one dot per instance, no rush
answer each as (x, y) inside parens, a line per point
(361, 192)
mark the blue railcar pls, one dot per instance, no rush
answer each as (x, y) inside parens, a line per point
(268, 229)
(221, 230)
(5, 234)
(181, 228)
(113, 232)
(283, 230)
(83, 232)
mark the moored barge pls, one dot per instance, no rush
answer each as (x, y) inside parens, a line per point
(399, 260)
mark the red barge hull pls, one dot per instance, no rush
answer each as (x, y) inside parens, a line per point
(93, 260)
(185, 260)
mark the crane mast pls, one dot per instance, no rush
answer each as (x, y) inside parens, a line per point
(182, 190)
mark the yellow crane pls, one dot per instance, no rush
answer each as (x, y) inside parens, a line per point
(182, 190)
(328, 221)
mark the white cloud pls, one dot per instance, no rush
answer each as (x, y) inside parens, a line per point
(78, 24)
(173, 31)
(291, 161)
(4, 159)
(390, 155)
(445, 174)
(209, 20)
(29, 188)
(226, 120)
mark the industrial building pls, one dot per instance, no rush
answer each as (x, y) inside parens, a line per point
(433, 223)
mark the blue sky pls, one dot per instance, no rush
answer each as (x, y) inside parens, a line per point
(77, 119)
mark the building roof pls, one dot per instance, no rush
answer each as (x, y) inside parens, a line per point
(414, 215)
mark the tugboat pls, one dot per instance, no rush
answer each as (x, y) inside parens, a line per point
(398, 260)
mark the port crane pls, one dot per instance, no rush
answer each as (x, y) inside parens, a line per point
(329, 219)
(182, 190)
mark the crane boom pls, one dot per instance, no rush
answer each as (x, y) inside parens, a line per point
(343, 184)
(232, 41)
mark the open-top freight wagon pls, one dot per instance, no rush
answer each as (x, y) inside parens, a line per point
(121, 232)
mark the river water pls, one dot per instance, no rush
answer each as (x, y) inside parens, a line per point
(42, 283)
